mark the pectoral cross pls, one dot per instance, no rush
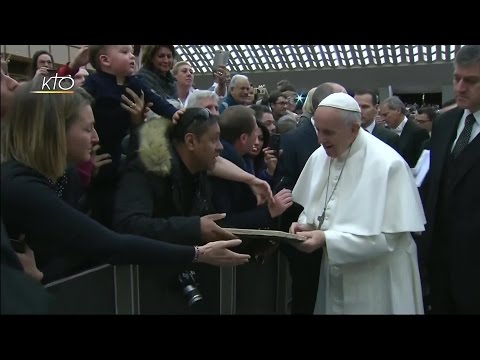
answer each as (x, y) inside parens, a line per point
(321, 219)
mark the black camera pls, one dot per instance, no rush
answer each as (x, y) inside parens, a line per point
(189, 287)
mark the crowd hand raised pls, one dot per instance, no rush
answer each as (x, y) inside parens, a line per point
(27, 259)
(271, 160)
(315, 239)
(222, 75)
(217, 253)
(82, 58)
(211, 231)
(42, 71)
(137, 108)
(283, 200)
(99, 160)
(262, 190)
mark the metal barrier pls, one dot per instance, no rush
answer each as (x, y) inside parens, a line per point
(249, 289)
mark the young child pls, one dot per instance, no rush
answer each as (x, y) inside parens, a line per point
(114, 65)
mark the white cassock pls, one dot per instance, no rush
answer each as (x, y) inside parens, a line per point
(369, 264)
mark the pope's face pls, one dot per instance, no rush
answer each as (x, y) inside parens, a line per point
(333, 133)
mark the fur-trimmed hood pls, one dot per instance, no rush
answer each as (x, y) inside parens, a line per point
(154, 149)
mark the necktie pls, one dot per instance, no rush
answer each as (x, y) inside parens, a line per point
(464, 137)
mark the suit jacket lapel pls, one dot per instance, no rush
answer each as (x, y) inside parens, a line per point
(312, 137)
(443, 139)
(471, 154)
(404, 140)
(310, 130)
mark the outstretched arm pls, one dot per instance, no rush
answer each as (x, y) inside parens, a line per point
(227, 170)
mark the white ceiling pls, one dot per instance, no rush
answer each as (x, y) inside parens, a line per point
(260, 58)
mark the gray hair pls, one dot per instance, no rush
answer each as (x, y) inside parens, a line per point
(351, 117)
(286, 123)
(394, 103)
(236, 78)
(197, 96)
(468, 55)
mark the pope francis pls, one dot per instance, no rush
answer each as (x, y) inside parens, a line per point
(360, 203)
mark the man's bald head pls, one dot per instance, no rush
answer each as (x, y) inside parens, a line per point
(324, 90)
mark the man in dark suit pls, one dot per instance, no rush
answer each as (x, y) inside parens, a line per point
(425, 117)
(367, 100)
(412, 136)
(297, 146)
(453, 198)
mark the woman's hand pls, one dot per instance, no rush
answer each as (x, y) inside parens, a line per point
(99, 160)
(217, 253)
(137, 108)
(27, 259)
(271, 160)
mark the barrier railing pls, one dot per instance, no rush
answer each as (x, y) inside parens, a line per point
(249, 289)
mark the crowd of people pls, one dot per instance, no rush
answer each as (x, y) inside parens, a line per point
(136, 166)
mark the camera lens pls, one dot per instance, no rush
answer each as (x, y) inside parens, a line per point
(192, 294)
(189, 287)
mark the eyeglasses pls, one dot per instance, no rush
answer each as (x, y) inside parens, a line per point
(282, 103)
(204, 112)
(420, 121)
(194, 114)
(187, 119)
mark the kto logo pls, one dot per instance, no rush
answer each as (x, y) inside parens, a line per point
(57, 85)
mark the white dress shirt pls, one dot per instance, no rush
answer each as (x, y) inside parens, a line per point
(370, 127)
(398, 130)
(461, 125)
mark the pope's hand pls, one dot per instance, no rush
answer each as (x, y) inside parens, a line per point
(314, 240)
(296, 227)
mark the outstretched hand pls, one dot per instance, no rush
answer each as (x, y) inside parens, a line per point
(262, 191)
(210, 229)
(282, 201)
(217, 253)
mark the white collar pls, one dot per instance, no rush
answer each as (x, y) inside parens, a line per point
(370, 127)
(398, 130)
